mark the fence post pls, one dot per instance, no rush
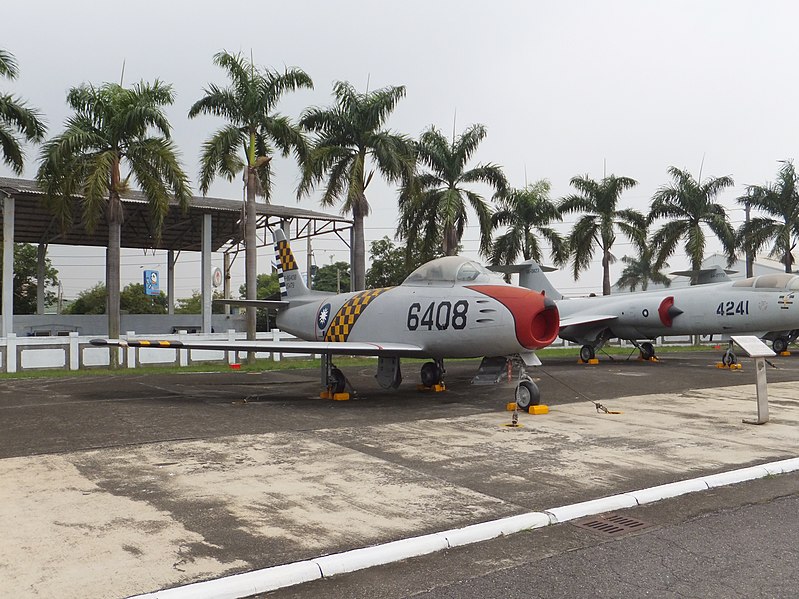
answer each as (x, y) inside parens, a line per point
(73, 352)
(183, 354)
(11, 352)
(132, 356)
(276, 338)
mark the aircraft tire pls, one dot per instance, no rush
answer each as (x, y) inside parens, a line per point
(779, 345)
(431, 374)
(647, 351)
(728, 359)
(527, 394)
(338, 382)
(587, 353)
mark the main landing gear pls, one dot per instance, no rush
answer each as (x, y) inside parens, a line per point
(647, 350)
(587, 352)
(779, 345)
(433, 374)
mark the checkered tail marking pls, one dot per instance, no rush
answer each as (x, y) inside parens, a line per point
(285, 263)
(348, 314)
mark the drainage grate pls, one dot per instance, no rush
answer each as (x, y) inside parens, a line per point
(612, 524)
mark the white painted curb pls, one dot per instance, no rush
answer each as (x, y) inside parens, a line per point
(243, 585)
(277, 577)
(588, 508)
(358, 559)
(484, 531)
(667, 491)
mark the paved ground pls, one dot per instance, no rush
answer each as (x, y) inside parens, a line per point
(113, 486)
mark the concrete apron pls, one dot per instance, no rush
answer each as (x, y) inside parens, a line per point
(118, 522)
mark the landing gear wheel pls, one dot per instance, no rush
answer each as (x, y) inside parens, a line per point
(338, 382)
(779, 345)
(431, 374)
(728, 359)
(527, 394)
(647, 351)
(587, 353)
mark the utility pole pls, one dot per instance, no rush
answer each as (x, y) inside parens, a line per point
(749, 257)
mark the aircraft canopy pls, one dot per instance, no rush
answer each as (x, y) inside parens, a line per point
(449, 271)
(775, 281)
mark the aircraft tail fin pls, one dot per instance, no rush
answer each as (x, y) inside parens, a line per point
(531, 276)
(291, 283)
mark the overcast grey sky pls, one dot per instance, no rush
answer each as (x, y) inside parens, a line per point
(628, 87)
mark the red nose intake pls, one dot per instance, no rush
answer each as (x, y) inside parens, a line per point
(535, 315)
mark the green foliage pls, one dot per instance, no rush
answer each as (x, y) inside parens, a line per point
(433, 204)
(133, 300)
(333, 277)
(392, 263)
(89, 301)
(25, 282)
(112, 126)
(688, 206)
(596, 228)
(638, 272)
(524, 212)
(18, 122)
(194, 304)
(248, 105)
(350, 146)
(780, 223)
(388, 265)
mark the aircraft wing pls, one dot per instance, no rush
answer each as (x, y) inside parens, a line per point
(567, 321)
(349, 348)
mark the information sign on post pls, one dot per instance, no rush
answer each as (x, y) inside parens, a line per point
(755, 348)
(151, 286)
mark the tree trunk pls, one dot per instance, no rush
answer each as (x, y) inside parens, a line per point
(358, 252)
(251, 257)
(605, 272)
(112, 260)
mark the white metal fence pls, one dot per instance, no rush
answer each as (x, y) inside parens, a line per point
(75, 352)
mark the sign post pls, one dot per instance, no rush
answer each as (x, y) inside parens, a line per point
(758, 350)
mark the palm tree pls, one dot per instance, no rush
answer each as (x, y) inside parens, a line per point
(525, 212)
(639, 271)
(434, 203)
(348, 137)
(779, 200)
(248, 105)
(16, 118)
(688, 204)
(596, 228)
(113, 128)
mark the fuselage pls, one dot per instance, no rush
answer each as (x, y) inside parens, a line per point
(752, 305)
(453, 319)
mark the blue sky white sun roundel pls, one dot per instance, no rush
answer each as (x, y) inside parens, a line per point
(324, 316)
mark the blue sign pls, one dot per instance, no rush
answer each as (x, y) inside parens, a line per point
(151, 282)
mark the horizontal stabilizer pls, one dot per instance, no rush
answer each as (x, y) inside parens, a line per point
(244, 303)
(703, 276)
(347, 348)
(519, 268)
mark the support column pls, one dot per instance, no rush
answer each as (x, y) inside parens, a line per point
(207, 288)
(8, 268)
(41, 255)
(308, 251)
(170, 282)
(226, 280)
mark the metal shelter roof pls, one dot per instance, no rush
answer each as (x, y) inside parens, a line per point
(34, 223)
